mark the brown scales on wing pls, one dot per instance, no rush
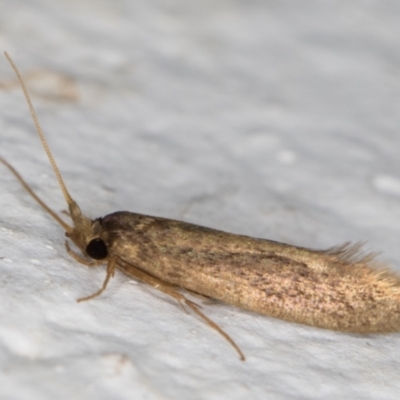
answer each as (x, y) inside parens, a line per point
(339, 289)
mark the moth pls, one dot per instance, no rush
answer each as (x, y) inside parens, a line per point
(338, 288)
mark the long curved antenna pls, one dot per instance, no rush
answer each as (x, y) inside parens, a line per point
(66, 194)
(35, 196)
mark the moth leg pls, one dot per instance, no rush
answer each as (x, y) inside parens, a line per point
(80, 259)
(110, 273)
(171, 291)
(204, 299)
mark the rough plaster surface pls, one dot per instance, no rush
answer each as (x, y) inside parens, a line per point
(273, 119)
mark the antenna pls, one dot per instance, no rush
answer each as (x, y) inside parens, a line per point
(35, 196)
(66, 194)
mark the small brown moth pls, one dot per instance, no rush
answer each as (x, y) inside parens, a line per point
(338, 288)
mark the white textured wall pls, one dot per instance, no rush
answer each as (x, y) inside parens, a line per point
(273, 119)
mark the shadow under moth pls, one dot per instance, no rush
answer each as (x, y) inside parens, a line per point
(339, 288)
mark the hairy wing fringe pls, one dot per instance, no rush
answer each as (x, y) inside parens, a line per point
(354, 254)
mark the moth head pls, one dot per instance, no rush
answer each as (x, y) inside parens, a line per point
(96, 247)
(85, 233)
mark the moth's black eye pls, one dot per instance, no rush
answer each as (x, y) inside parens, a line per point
(97, 249)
